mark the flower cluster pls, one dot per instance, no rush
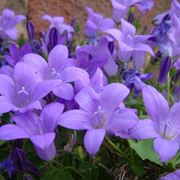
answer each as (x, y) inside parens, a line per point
(52, 82)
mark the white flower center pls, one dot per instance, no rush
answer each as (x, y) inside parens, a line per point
(23, 91)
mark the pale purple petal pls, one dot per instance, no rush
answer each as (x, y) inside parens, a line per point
(145, 129)
(127, 28)
(5, 105)
(12, 33)
(165, 148)
(43, 141)
(75, 119)
(156, 105)
(64, 90)
(93, 140)
(12, 132)
(71, 74)
(48, 153)
(50, 116)
(58, 57)
(110, 101)
(121, 122)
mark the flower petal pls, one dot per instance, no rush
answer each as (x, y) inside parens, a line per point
(166, 149)
(5, 105)
(43, 141)
(93, 140)
(64, 90)
(112, 96)
(156, 105)
(145, 129)
(50, 116)
(75, 119)
(12, 132)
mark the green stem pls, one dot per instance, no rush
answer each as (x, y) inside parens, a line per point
(120, 153)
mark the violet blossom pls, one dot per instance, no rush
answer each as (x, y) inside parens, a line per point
(59, 68)
(163, 125)
(39, 129)
(99, 114)
(24, 90)
(95, 23)
(8, 22)
(16, 53)
(131, 46)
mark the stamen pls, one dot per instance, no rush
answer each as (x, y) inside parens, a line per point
(23, 90)
(54, 72)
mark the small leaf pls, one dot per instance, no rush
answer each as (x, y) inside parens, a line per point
(145, 150)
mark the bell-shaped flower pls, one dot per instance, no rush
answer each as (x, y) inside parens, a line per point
(16, 53)
(121, 7)
(8, 22)
(91, 57)
(99, 114)
(163, 125)
(24, 90)
(59, 68)
(96, 22)
(131, 45)
(39, 129)
(58, 23)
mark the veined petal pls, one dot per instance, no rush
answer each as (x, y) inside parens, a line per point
(64, 90)
(127, 28)
(112, 96)
(166, 149)
(12, 132)
(144, 47)
(93, 140)
(43, 141)
(156, 105)
(5, 105)
(71, 74)
(75, 119)
(58, 57)
(145, 129)
(48, 153)
(50, 116)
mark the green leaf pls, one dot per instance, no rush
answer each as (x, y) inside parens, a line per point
(2, 142)
(145, 150)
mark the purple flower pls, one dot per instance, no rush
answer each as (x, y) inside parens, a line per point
(91, 57)
(16, 53)
(24, 91)
(58, 23)
(131, 45)
(162, 36)
(96, 22)
(39, 129)
(134, 80)
(163, 125)
(175, 9)
(172, 176)
(8, 22)
(99, 114)
(59, 69)
(121, 7)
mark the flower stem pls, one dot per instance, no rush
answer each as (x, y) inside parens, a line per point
(120, 152)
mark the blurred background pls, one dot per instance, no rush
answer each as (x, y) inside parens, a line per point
(34, 9)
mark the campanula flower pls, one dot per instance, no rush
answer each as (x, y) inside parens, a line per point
(163, 125)
(24, 90)
(8, 22)
(59, 68)
(131, 45)
(39, 129)
(99, 114)
(96, 22)
(172, 176)
(16, 53)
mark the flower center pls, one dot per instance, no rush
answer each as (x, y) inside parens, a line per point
(23, 91)
(168, 131)
(54, 72)
(99, 118)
